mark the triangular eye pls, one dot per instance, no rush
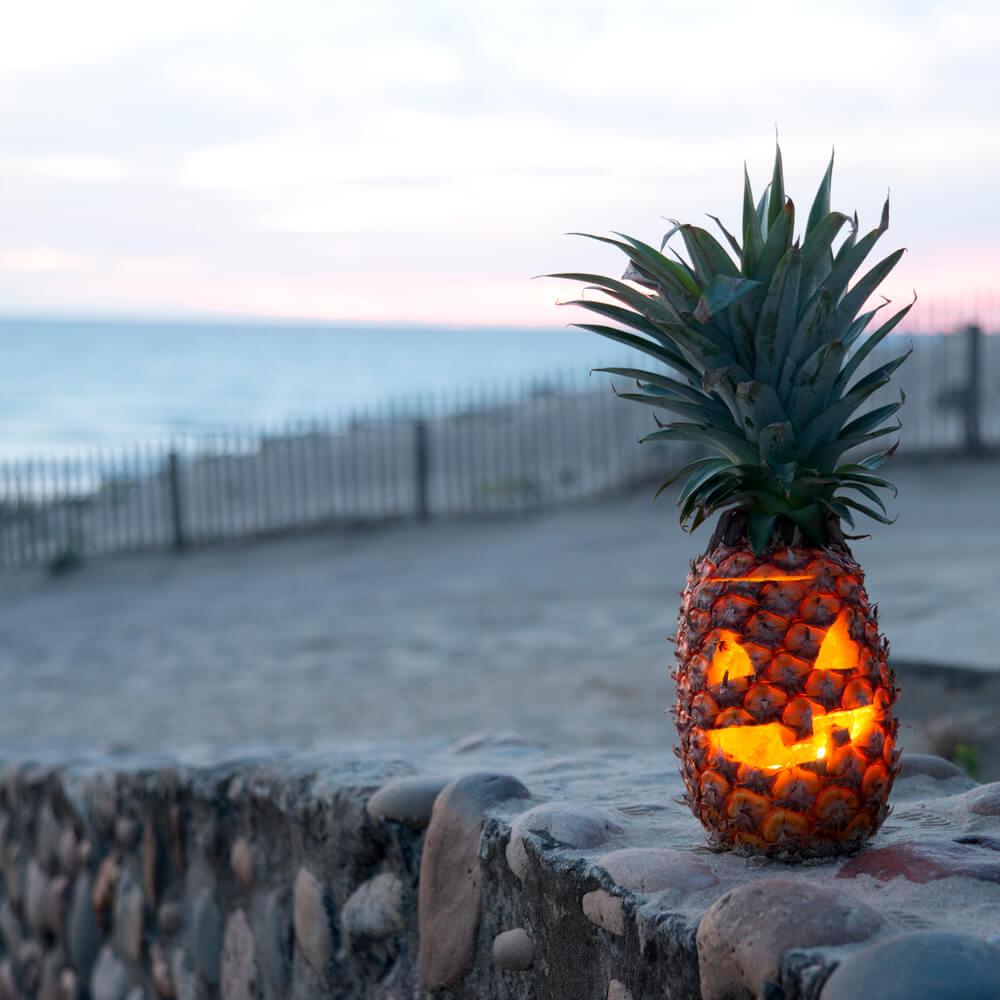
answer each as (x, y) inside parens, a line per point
(730, 659)
(838, 651)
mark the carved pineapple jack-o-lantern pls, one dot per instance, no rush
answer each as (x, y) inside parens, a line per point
(784, 696)
(785, 708)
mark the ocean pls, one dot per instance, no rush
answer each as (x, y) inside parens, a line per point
(68, 386)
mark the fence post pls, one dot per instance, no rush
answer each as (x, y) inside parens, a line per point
(421, 467)
(973, 389)
(176, 510)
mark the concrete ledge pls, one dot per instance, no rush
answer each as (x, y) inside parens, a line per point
(500, 871)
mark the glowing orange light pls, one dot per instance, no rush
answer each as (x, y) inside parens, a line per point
(730, 659)
(764, 574)
(838, 651)
(771, 746)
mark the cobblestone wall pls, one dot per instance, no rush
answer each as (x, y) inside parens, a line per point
(414, 875)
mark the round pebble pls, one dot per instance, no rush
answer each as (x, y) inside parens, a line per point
(407, 800)
(617, 990)
(206, 935)
(168, 917)
(311, 921)
(652, 869)
(274, 950)
(449, 896)
(130, 918)
(374, 909)
(984, 800)
(941, 768)
(69, 851)
(238, 978)
(83, 936)
(36, 894)
(108, 980)
(160, 971)
(572, 823)
(150, 863)
(514, 950)
(104, 884)
(604, 910)
(923, 965)
(241, 860)
(744, 935)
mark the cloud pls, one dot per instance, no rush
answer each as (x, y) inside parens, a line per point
(40, 259)
(310, 149)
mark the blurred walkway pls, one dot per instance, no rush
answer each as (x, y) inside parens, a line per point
(552, 624)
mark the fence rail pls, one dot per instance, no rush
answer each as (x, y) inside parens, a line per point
(491, 452)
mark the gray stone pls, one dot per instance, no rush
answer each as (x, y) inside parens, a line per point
(28, 962)
(69, 852)
(922, 965)
(652, 869)
(617, 990)
(83, 936)
(109, 979)
(130, 918)
(105, 883)
(604, 910)
(241, 861)
(169, 917)
(514, 950)
(572, 823)
(126, 832)
(10, 927)
(406, 800)
(375, 909)
(745, 934)
(36, 894)
(275, 945)
(184, 978)
(13, 873)
(450, 878)
(159, 971)
(150, 863)
(47, 837)
(984, 800)
(312, 920)
(136, 993)
(206, 935)
(69, 985)
(48, 984)
(238, 979)
(56, 902)
(9, 988)
(911, 764)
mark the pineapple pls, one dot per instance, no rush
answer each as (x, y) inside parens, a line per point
(784, 694)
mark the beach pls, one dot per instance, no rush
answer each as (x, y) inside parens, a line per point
(549, 626)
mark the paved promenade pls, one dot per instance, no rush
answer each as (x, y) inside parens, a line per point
(553, 625)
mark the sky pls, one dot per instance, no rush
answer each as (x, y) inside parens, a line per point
(406, 160)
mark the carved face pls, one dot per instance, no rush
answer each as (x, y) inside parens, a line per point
(772, 746)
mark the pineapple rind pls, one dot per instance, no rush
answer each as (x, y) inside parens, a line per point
(823, 820)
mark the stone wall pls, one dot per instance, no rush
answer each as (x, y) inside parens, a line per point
(493, 870)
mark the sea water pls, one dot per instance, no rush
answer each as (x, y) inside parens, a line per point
(67, 385)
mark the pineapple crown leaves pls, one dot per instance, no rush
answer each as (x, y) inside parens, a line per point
(761, 345)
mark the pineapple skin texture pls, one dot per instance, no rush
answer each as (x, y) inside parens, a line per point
(814, 809)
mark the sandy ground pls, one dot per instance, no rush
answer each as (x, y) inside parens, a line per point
(552, 625)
